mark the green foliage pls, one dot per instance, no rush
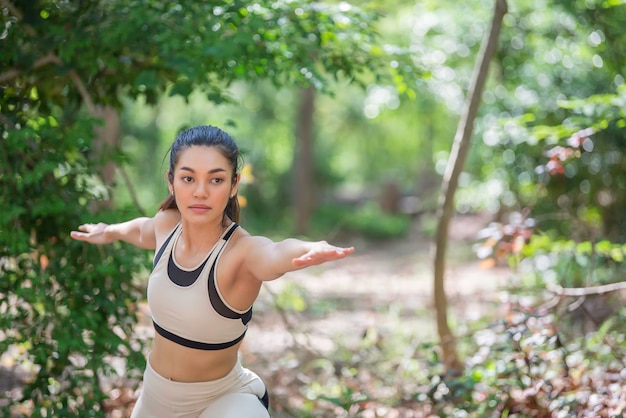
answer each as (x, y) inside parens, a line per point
(367, 220)
(554, 119)
(556, 73)
(576, 177)
(291, 298)
(187, 46)
(372, 222)
(520, 365)
(572, 264)
(67, 308)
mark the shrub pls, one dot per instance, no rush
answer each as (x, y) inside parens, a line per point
(66, 307)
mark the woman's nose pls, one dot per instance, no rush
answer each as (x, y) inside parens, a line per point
(200, 191)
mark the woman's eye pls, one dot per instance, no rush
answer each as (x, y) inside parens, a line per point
(218, 180)
(187, 179)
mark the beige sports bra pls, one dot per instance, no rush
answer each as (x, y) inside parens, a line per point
(186, 304)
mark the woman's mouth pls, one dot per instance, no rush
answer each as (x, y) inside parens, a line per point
(199, 208)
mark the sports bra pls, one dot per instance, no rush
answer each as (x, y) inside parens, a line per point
(186, 304)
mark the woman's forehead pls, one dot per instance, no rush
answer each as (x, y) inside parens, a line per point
(202, 157)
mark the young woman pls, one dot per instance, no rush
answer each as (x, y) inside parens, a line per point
(207, 273)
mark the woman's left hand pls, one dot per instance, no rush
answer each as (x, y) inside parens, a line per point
(321, 252)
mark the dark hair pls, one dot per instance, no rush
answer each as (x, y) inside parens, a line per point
(208, 136)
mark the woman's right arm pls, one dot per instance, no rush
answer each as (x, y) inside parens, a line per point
(138, 232)
(142, 232)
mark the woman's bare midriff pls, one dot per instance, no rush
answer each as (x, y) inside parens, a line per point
(182, 364)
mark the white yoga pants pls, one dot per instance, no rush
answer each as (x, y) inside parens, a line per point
(241, 393)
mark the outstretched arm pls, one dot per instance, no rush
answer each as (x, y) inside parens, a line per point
(139, 232)
(268, 260)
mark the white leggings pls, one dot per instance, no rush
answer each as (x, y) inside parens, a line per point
(236, 395)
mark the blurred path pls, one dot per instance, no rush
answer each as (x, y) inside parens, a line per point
(379, 287)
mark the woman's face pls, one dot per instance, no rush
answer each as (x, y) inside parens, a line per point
(202, 183)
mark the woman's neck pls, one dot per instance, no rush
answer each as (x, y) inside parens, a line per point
(196, 239)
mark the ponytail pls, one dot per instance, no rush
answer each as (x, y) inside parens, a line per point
(168, 203)
(232, 209)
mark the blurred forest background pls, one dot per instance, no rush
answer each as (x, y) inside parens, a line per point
(352, 118)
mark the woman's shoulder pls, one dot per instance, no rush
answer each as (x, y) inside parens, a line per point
(244, 241)
(242, 248)
(165, 221)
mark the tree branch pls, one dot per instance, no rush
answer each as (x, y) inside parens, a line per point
(82, 90)
(6, 121)
(73, 75)
(308, 347)
(12, 9)
(46, 59)
(131, 189)
(586, 291)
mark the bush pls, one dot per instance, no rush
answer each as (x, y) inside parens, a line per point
(516, 366)
(367, 220)
(67, 307)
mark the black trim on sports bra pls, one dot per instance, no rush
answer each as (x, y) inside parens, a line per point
(232, 227)
(178, 276)
(219, 305)
(163, 247)
(182, 277)
(216, 301)
(195, 344)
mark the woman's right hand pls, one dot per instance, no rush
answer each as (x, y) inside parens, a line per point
(92, 233)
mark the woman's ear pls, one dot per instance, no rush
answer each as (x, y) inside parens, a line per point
(235, 186)
(170, 180)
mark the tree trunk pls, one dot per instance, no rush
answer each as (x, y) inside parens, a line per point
(107, 140)
(458, 154)
(304, 189)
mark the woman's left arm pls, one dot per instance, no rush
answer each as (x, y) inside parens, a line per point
(268, 260)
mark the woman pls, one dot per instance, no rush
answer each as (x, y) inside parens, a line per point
(206, 275)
